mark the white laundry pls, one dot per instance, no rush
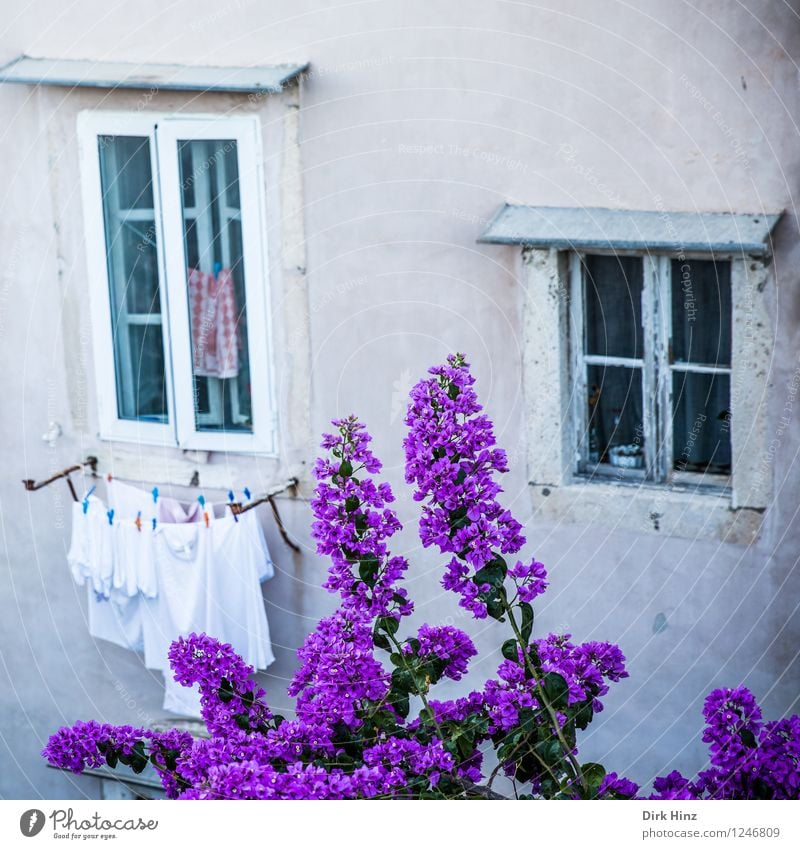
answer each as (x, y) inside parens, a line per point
(151, 582)
(208, 582)
(90, 555)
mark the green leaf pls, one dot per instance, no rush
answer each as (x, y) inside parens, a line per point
(556, 690)
(224, 695)
(403, 681)
(583, 714)
(138, 757)
(748, 738)
(400, 702)
(380, 640)
(526, 628)
(368, 569)
(139, 764)
(243, 721)
(495, 604)
(388, 624)
(510, 650)
(458, 519)
(549, 750)
(593, 774)
(111, 758)
(492, 573)
(351, 503)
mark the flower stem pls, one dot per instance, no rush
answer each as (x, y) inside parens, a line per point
(541, 695)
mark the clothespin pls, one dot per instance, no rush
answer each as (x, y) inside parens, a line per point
(154, 523)
(108, 478)
(155, 494)
(232, 499)
(202, 500)
(205, 516)
(86, 500)
(138, 521)
(247, 494)
(110, 514)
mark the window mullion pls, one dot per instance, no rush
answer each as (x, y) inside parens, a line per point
(161, 256)
(650, 416)
(580, 398)
(175, 275)
(662, 279)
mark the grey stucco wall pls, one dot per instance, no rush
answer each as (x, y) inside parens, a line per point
(417, 121)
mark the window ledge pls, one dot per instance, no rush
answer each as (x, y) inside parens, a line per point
(648, 508)
(170, 466)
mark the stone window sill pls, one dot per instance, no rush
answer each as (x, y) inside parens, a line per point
(638, 507)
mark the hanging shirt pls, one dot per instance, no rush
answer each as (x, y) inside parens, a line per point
(212, 307)
(208, 581)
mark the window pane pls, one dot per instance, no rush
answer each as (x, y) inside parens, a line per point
(127, 185)
(701, 312)
(147, 362)
(615, 416)
(613, 305)
(215, 278)
(701, 424)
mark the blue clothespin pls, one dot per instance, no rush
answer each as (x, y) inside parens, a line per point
(154, 523)
(86, 500)
(232, 499)
(155, 494)
(110, 514)
(217, 268)
(202, 500)
(247, 493)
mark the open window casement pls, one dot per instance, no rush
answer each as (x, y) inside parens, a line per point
(178, 278)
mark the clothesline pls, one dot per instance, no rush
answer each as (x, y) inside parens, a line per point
(32, 486)
(236, 507)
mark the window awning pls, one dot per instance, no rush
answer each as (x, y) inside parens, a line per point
(620, 229)
(88, 73)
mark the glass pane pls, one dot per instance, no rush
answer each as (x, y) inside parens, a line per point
(215, 279)
(616, 434)
(130, 234)
(701, 424)
(613, 305)
(147, 361)
(701, 312)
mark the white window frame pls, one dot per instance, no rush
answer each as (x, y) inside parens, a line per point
(164, 130)
(657, 374)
